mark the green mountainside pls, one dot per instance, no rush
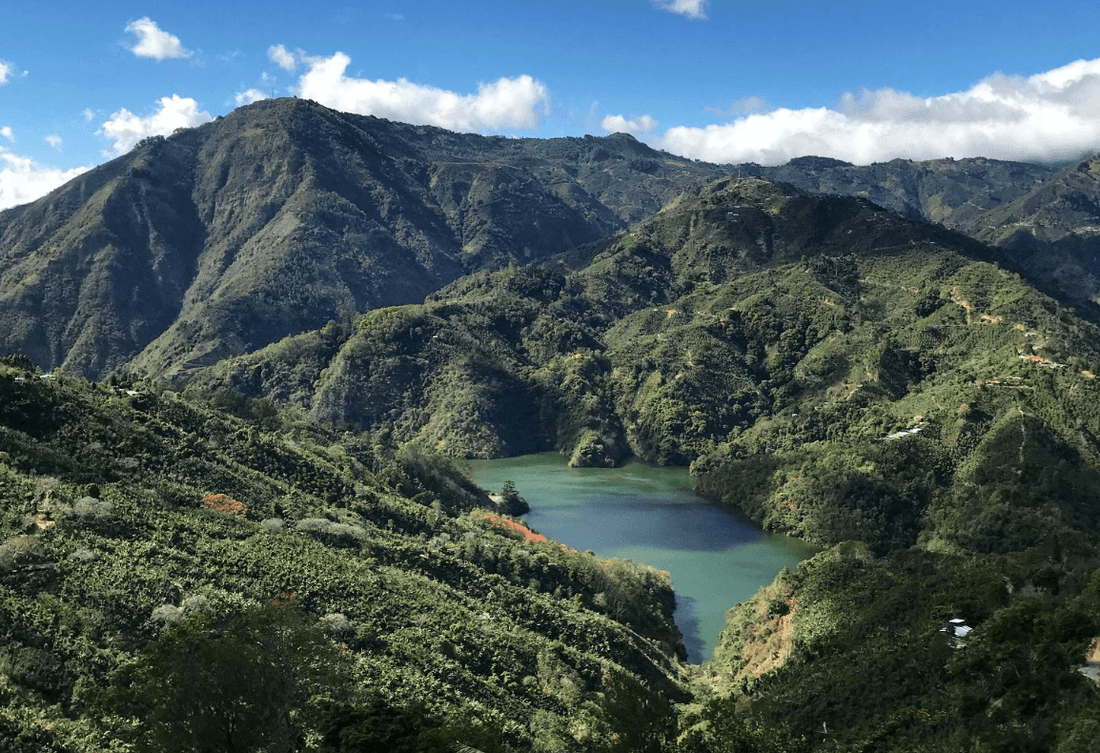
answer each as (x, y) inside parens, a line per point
(283, 215)
(873, 384)
(174, 577)
(250, 536)
(949, 192)
(1048, 220)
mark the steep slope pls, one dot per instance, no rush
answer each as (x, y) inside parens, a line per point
(833, 369)
(1054, 229)
(854, 652)
(949, 192)
(1045, 218)
(284, 215)
(174, 577)
(877, 385)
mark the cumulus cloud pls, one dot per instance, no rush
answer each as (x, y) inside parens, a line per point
(153, 42)
(505, 103)
(634, 126)
(1052, 115)
(127, 129)
(54, 140)
(694, 9)
(5, 72)
(739, 107)
(282, 57)
(23, 180)
(8, 133)
(249, 96)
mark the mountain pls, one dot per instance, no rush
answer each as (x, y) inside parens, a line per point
(881, 386)
(949, 192)
(758, 332)
(1054, 229)
(284, 215)
(1047, 219)
(177, 577)
(279, 556)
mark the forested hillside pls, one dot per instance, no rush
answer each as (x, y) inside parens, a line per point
(1046, 219)
(876, 385)
(249, 533)
(175, 577)
(283, 215)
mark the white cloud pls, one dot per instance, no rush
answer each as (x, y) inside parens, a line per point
(54, 140)
(8, 133)
(635, 126)
(153, 42)
(1052, 115)
(23, 180)
(89, 114)
(738, 107)
(249, 96)
(5, 72)
(282, 57)
(694, 9)
(127, 129)
(505, 103)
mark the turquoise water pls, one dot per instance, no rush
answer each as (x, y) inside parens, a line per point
(716, 557)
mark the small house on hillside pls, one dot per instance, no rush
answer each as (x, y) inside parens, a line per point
(956, 629)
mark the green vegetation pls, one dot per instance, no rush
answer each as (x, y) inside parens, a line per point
(858, 657)
(883, 388)
(864, 382)
(285, 215)
(173, 576)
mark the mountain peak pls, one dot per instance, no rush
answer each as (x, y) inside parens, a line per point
(285, 214)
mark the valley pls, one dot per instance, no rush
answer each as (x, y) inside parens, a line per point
(244, 366)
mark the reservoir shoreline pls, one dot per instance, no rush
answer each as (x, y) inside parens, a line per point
(716, 556)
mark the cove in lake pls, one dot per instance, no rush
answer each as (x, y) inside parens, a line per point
(716, 556)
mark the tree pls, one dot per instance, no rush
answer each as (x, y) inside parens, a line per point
(247, 683)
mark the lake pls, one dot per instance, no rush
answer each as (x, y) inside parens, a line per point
(716, 556)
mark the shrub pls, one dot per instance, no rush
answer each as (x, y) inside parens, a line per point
(223, 504)
(167, 615)
(273, 525)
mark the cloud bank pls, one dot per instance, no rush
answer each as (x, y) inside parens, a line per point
(633, 126)
(127, 129)
(1048, 116)
(693, 9)
(503, 104)
(23, 180)
(153, 42)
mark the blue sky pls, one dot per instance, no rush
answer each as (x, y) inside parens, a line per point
(719, 80)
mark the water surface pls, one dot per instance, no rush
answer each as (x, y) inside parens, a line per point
(716, 556)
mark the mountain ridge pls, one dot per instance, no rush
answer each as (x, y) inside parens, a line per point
(282, 215)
